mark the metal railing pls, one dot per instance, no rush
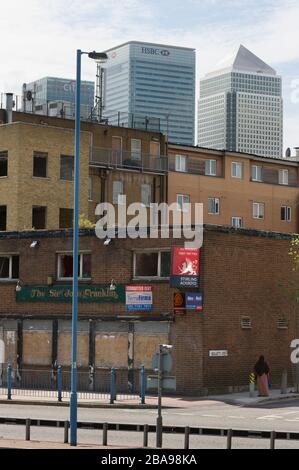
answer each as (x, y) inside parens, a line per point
(145, 429)
(102, 384)
(107, 157)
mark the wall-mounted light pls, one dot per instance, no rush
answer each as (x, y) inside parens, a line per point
(18, 286)
(112, 286)
(34, 244)
(107, 241)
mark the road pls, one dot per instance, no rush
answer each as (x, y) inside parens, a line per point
(279, 417)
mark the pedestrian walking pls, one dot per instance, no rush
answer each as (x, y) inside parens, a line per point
(262, 370)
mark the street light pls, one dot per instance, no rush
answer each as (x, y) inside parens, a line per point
(163, 348)
(73, 399)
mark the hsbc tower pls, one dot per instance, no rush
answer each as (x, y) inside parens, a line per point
(154, 86)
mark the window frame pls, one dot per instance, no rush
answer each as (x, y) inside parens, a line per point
(148, 203)
(41, 155)
(10, 256)
(146, 251)
(73, 168)
(181, 208)
(214, 199)
(281, 177)
(258, 204)
(287, 213)
(178, 167)
(119, 194)
(134, 152)
(256, 179)
(70, 253)
(210, 173)
(4, 157)
(238, 165)
(239, 218)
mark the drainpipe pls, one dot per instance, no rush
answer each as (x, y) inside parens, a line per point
(9, 106)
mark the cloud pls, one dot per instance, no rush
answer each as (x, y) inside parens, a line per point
(40, 37)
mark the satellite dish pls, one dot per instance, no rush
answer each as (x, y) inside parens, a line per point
(288, 152)
(29, 95)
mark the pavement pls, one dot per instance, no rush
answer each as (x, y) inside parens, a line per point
(240, 399)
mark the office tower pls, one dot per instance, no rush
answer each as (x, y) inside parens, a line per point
(240, 107)
(55, 96)
(152, 86)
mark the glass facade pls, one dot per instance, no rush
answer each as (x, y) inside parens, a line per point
(155, 82)
(51, 95)
(242, 110)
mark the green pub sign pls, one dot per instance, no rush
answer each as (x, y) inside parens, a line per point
(86, 293)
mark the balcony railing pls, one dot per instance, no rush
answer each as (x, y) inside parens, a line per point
(102, 157)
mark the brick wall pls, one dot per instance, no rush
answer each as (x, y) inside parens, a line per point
(243, 274)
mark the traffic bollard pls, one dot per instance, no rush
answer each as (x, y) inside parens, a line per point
(105, 434)
(187, 434)
(27, 430)
(59, 383)
(66, 432)
(145, 435)
(229, 438)
(272, 439)
(9, 381)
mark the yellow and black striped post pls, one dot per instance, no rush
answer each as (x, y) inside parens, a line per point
(251, 384)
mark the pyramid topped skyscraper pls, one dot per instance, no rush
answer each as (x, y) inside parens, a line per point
(240, 107)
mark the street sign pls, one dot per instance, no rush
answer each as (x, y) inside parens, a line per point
(166, 361)
(168, 383)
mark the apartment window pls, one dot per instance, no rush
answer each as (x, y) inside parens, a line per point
(152, 264)
(283, 177)
(40, 160)
(66, 167)
(3, 163)
(237, 170)
(136, 149)
(65, 266)
(146, 194)
(66, 218)
(237, 222)
(286, 213)
(258, 210)
(90, 188)
(213, 205)
(39, 217)
(256, 173)
(118, 191)
(9, 267)
(182, 201)
(3, 217)
(181, 163)
(210, 167)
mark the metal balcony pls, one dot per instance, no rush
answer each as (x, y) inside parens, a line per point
(108, 158)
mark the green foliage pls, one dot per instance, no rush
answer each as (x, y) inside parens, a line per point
(84, 222)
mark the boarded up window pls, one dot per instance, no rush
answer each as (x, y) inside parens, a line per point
(111, 344)
(37, 342)
(64, 357)
(147, 337)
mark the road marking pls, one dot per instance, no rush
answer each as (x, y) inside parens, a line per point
(270, 417)
(236, 417)
(211, 416)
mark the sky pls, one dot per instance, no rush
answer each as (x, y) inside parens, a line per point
(40, 37)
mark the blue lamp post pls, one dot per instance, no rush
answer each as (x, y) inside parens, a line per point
(97, 56)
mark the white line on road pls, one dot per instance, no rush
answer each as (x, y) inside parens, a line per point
(210, 416)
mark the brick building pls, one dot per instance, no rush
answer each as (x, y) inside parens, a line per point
(246, 281)
(36, 176)
(237, 189)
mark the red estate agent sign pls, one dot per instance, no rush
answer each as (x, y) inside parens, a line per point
(185, 267)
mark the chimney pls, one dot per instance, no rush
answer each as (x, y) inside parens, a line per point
(9, 106)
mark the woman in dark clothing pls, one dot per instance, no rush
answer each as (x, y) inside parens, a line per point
(262, 370)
